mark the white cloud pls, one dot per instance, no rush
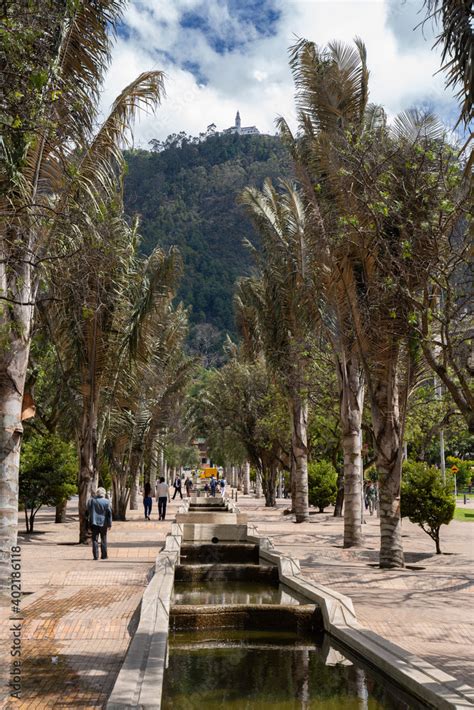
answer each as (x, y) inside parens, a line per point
(254, 76)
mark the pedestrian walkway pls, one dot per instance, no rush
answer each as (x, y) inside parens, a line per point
(79, 614)
(426, 608)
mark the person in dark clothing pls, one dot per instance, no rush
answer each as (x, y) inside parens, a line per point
(177, 487)
(147, 501)
(100, 521)
(213, 486)
(188, 484)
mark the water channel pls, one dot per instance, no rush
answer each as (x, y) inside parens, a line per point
(264, 670)
(239, 640)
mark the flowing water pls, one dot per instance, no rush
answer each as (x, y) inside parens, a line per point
(221, 593)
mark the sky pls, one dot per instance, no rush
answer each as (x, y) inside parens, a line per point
(224, 55)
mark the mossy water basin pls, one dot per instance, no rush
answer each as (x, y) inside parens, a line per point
(263, 670)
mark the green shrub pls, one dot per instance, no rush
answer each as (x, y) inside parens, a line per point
(322, 484)
(426, 499)
(48, 474)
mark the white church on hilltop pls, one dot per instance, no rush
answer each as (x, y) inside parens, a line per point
(242, 130)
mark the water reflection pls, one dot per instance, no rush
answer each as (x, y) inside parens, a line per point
(262, 670)
(226, 593)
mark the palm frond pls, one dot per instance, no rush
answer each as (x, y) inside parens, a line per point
(97, 169)
(413, 125)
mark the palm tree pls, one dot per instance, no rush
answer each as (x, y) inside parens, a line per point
(331, 98)
(384, 202)
(283, 302)
(457, 42)
(50, 159)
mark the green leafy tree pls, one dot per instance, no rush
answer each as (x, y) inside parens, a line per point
(322, 482)
(48, 474)
(241, 399)
(425, 499)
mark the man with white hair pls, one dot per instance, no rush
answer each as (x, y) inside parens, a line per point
(100, 520)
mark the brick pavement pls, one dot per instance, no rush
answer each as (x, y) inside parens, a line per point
(427, 609)
(79, 614)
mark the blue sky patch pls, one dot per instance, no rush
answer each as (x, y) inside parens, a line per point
(249, 20)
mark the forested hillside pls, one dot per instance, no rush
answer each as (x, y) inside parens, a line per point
(186, 194)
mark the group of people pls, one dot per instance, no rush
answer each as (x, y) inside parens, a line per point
(99, 511)
(211, 487)
(162, 495)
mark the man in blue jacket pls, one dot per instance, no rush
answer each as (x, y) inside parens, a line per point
(100, 520)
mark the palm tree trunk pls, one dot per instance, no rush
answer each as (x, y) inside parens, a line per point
(351, 382)
(134, 491)
(299, 410)
(135, 465)
(16, 319)
(88, 476)
(388, 444)
(10, 442)
(246, 478)
(340, 493)
(153, 467)
(120, 496)
(269, 485)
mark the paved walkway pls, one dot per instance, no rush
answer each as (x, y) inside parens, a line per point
(428, 609)
(79, 614)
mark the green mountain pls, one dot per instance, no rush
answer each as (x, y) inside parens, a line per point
(186, 194)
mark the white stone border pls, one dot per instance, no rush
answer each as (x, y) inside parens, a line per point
(417, 676)
(140, 681)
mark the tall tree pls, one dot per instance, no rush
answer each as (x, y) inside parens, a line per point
(54, 57)
(379, 200)
(331, 99)
(241, 402)
(399, 210)
(283, 302)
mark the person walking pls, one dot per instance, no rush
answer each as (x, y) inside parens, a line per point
(371, 498)
(162, 496)
(188, 484)
(213, 483)
(222, 484)
(99, 515)
(177, 487)
(147, 501)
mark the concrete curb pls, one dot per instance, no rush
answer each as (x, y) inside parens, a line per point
(140, 680)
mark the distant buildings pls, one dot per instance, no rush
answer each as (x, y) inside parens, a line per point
(242, 130)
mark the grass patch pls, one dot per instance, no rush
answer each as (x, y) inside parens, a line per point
(464, 514)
